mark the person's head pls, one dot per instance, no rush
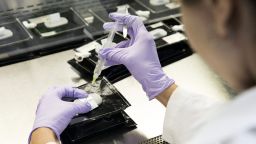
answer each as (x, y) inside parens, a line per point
(223, 32)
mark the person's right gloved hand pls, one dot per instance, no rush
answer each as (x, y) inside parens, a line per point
(54, 113)
(138, 54)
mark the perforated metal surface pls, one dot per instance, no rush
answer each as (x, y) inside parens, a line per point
(23, 7)
(155, 140)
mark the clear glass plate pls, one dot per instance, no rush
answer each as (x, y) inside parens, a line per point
(152, 8)
(75, 22)
(20, 34)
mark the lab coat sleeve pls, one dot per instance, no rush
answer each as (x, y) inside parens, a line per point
(186, 113)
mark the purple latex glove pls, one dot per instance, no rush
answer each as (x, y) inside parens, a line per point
(138, 54)
(54, 113)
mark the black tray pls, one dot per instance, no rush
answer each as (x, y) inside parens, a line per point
(97, 130)
(109, 115)
(167, 55)
(112, 101)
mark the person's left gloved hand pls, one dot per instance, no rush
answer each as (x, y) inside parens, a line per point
(138, 54)
(54, 113)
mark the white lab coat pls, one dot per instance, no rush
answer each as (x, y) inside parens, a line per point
(197, 119)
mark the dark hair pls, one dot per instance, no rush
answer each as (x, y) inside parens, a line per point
(252, 5)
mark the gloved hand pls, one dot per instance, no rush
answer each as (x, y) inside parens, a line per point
(54, 113)
(138, 54)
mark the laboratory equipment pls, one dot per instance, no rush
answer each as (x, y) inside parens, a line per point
(64, 24)
(88, 64)
(29, 25)
(158, 2)
(12, 33)
(82, 52)
(89, 19)
(79, 56)
(108, 116)
(173, 5)
(141, 13)
(175, 38)
(57, 23)
(100, 63)
(93, 99)
(172, 22)
(158, 33)
(108, 43)
(5, 33)
(55, 20)
(144, 15)
(103, 14)
(124, 9)
(164, 35)
(178, 28)
(168, 51)
(156, 6)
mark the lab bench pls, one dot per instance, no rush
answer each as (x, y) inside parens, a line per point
(22, 85)
(31, 30)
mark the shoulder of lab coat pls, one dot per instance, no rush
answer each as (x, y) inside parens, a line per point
(196, 119)
(186, 112)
